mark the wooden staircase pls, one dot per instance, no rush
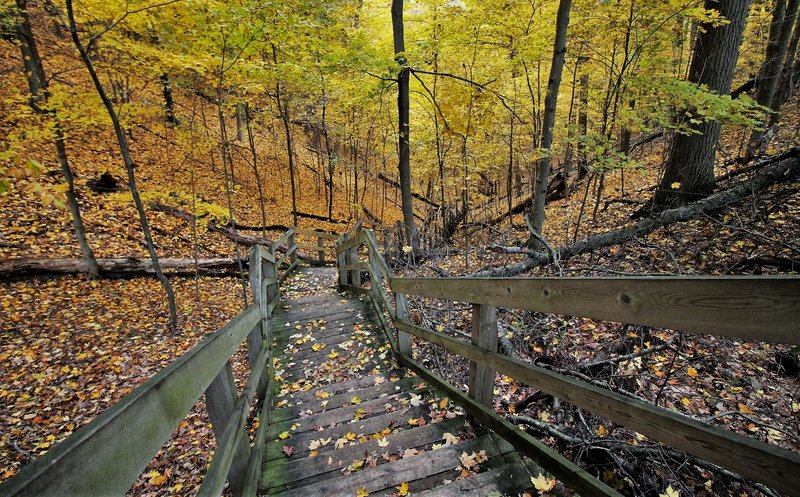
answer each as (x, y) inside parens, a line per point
(345, 408)
(346, 418)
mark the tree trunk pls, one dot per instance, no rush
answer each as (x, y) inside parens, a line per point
(37, 83)
(549, 118)
(689, 172)
(127, 159)
(240, 119)
(332, 159)
(583, 125)
(779, 36)
(283, 110)
(251, 141)
(169, 102)
(792, 33)
(403, 105)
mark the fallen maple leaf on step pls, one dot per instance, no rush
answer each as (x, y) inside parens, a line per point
(284, 435)
(542, 483)
(449, 439)
(288, 449)
(383, 442)
(362, 492)
(402, 489)
(471, 461)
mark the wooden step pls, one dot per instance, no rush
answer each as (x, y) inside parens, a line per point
(327, 402)
(364, 427)
(306, 471)
(397, 401)
(345, 386)
(413, 470)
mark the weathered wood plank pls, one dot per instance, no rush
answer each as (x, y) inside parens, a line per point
(234, 434)
(303, 408)
(372, 244)
(303, 471)
(257, 454)
(344, 386)
(358, 266)
(768, 464)
(507, 476)
(356, 289)
(106, 456)
(342, 259)
(401, 314)
(351, 242)
(565, 470)
(288, 271)
(345, 413)
(220, 404)
(287, 256)
(283, 239)
(484, 335)
(765, 308)
(367, 426)
(386, 476)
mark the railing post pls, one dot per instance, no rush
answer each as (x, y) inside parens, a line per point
(375, 272)
(484, 335)
(401, 311)
(220, 399)
(320, 252)
(270, 272)
(355, 274)
(341, 261)
(293, 257)
(262, 331)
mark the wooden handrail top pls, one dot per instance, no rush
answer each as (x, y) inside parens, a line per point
(283, 239)
(763, 308)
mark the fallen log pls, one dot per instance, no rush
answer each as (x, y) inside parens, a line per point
(119, 267)
(230, 233)
(317, 217)
(786, 169)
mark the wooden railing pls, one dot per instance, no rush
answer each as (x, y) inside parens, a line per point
(106, 456)
(322, 244)
(763, 308)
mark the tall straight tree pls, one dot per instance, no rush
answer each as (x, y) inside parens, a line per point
(403, 105)
(780, 31)
(38, 86)
(549, 119)
(83, 50)
(689, 172)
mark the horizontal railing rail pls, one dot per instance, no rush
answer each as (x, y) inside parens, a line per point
(322, 245)
(106, 456)
(763, 308)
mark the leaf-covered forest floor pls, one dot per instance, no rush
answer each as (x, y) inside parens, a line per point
(70, 348)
